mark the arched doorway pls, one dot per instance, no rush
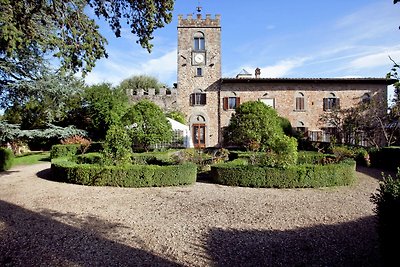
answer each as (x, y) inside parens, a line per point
(199, 131)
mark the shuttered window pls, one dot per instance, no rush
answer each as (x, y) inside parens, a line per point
(197, 99)
(300, 103)
(230, 103)
(331, 103)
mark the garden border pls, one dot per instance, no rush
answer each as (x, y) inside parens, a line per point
(304, 175)
(64, 170)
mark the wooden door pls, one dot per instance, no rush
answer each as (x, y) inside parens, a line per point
(199, 135)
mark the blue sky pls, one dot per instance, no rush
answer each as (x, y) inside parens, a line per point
(309, 38)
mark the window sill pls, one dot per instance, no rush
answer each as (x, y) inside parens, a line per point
(300, 110)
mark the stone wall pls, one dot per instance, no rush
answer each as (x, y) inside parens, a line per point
(284, 95)
(166, 99)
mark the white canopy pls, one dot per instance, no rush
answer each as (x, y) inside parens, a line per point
(187, 136)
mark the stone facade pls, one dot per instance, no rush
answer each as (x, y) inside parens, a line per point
(203, 95)
(200, 117)
(166, 100)
(283, 93)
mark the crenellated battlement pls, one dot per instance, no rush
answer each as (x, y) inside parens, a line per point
(198, 21)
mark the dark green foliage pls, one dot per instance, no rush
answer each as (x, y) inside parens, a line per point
(286, 126)
(147, 125)
(387, 208)
(123, 176)
(253, 126)
(62, 29)
(58, 151)
(90, 158)
(6, 158)
(386, 158)
(101, 106)
(117, 146)
(291, 177)
(310, 157)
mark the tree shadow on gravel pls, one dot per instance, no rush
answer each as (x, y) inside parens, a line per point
(33, 239)
(45, 174)
(375, 173)
(347, 244)
(4, 173)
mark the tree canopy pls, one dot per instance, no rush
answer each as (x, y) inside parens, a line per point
(147, 124)
(61, 28)
(254, 125)
(140, 82)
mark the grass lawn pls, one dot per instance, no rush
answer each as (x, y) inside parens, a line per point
(32, 158)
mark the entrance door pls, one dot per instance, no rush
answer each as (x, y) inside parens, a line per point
(199, 135)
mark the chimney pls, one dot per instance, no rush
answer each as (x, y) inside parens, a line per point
(258, 73)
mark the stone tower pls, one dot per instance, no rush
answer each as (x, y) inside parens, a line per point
(199, 74)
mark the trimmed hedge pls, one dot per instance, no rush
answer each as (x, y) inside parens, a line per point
(124, 176)
(6, 158)
(387, 202)
(305, 175)
(58, 151)
(310, 157)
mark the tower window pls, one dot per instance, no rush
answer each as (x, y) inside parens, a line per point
(199, 72)
(199, 42)
(198, 99)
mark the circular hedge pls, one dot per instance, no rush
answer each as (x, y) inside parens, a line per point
(64, 170)
(303, 175)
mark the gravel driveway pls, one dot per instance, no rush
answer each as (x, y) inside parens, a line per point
(46, 223)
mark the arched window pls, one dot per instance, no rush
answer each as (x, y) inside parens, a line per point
(300, 102)
(199, 41)
(231, 101)
(331, 102)
(198, 98)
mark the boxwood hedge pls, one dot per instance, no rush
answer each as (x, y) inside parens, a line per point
(64, 170)
(6, 158)
(304, 175)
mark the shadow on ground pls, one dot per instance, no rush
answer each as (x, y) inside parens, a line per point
(45, 174)
(33, 239)
(4, 173)
(375, 173)
(348, 244)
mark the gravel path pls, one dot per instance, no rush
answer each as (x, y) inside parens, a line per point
(45, 223)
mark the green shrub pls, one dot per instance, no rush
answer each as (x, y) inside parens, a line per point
(124, 176)
(310, 157)
(293, 176)
(387, 202)
(117, 146)
(90, 158)
(58, 151)
(6, 158)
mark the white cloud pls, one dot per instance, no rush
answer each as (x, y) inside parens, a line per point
(282, 68)
(120, 66)
(375, 60)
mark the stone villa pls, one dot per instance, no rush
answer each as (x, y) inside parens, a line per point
(208, 100)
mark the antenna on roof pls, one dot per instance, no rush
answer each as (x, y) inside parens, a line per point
(199, 8)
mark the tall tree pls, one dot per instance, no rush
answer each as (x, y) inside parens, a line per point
(62, 29)
(36, 103)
